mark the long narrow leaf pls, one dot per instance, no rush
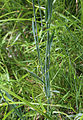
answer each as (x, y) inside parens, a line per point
(34, 27)
(34, 75)
(25, 101)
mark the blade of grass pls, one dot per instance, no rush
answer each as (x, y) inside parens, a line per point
(25, 101)
(14, 106)
(34, 75)
(40, 15)
(4, 15)
(47, 58)
(57, 112)
(34, 27)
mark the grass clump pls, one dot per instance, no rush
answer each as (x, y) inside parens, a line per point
(41, 60)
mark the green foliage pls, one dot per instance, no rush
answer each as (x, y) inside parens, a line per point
(41, 60)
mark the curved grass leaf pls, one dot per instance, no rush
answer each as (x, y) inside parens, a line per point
(25, 101)
(34, 75)
(58, 112)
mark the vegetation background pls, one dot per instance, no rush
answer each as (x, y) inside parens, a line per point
(41, 59)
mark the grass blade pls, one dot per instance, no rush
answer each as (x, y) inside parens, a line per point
(34, 27)
(25, 101)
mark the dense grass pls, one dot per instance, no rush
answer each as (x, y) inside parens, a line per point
(41, 60)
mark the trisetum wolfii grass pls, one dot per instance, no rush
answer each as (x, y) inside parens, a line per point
(59, 74)
(48, 14)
